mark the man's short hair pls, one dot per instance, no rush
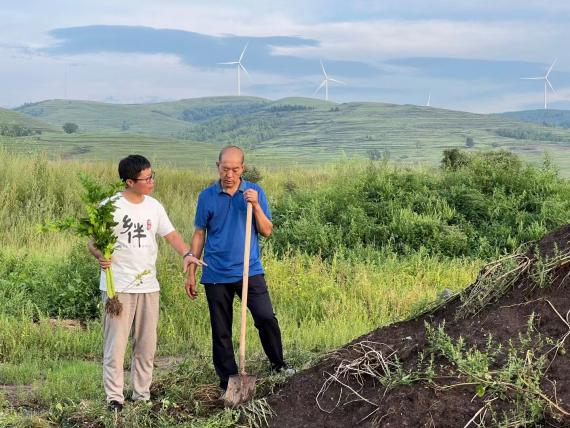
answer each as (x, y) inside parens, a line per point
(131, 166)
(225, 149)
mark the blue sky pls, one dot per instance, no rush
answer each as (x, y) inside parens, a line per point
(469, 55)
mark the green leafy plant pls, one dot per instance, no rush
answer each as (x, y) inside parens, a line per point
(97, 224)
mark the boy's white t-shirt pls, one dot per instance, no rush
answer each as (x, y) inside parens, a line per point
(134, 257)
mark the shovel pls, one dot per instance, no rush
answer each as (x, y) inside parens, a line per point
(241, 387)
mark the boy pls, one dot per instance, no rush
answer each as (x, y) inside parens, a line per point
(139, 218)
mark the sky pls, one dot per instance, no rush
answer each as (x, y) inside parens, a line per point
(461, 55)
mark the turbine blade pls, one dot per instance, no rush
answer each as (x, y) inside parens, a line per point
(532, 78)
(246, 72)
(320, 86)
(323, 67)
(230, 63)
(243, 52)
(550, 69)
(330, 79)
(549, 84)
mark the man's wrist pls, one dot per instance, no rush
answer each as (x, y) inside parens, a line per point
(188, 253)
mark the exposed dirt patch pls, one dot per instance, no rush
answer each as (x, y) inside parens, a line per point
(426, 403)
(17, 396)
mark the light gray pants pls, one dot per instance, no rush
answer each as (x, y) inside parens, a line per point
(139, 319)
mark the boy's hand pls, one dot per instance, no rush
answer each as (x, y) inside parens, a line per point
(189, 260)
(104, 263)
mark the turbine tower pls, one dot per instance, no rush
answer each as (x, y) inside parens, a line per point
(429, 100)
(325, 83)
(239, 66)
(546, 81)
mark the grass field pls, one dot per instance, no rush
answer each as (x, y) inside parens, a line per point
(50, 366)
(50, 331)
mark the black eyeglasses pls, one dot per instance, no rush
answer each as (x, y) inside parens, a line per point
(147, 179)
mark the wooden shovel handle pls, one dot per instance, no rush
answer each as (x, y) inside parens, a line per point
(245, 283)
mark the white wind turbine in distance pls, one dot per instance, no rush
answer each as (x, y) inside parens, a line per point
(239, 66)
(546, 81)
(325, 83)
(428, 104)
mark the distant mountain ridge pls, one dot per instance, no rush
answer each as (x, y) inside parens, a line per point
(544, 117)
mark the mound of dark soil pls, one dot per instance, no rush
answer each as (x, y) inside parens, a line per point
(442, 401)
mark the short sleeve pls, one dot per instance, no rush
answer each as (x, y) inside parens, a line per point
(201, 217)
(164, 224)
(263, 202)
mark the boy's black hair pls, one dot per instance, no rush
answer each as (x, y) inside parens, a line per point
(131, 166)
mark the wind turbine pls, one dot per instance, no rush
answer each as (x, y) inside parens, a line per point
(239, 66)
(429, 99)
(546, 81)
(325, 83)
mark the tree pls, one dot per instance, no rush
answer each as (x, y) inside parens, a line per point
(70, 127)
(469, 142)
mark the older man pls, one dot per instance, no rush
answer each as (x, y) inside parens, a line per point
(220, 227)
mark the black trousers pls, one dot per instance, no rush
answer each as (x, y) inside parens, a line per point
(220, 298)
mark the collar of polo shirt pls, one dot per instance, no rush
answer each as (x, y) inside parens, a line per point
(220, 189)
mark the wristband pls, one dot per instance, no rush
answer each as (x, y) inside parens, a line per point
(189, 253)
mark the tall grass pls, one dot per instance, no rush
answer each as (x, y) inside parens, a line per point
(356, 246)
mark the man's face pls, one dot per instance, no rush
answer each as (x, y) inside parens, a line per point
(230, 169)
(144, 183)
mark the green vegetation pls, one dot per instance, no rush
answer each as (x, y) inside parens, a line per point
(531, 134)
(291, 131)
(484, 207)
(357, 245)
(97, 225)
(70, 127)
(17, 131)
(11, 120)
(548, 117)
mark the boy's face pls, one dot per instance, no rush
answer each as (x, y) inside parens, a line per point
(144, 183)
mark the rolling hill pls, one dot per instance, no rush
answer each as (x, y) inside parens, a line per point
(170, 119)
(10, 118)
(290, 130)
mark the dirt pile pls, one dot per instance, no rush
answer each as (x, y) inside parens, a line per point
(510, 369)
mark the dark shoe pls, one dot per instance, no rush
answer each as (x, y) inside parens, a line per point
(115, 406)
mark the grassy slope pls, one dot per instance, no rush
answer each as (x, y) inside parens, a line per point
(160, 119)
(10, 117)
(553, 117)
(326, 131)
(108, 146)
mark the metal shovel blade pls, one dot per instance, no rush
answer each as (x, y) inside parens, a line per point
(240, 389)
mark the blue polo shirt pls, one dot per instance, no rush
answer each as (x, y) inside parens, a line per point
(223, 218)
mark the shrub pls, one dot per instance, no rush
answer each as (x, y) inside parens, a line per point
(70, 127)
(251, 173)
(67, 288)
(17, 131)
(489, 203)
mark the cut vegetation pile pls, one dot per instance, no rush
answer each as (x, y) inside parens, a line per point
(492, 356)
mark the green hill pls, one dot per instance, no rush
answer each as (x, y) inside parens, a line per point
(293, 130)
(9, 118)
(543, 117)
(169, 119)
